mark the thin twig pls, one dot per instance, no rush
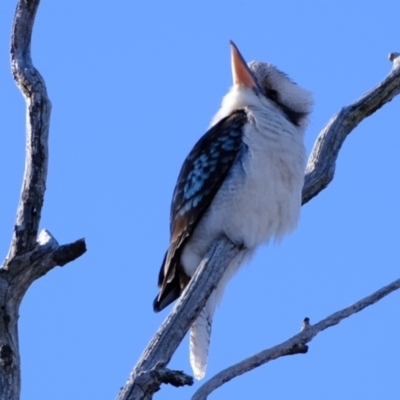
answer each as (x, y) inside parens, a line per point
(299, 340)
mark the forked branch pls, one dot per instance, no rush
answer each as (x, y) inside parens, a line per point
(167, 339)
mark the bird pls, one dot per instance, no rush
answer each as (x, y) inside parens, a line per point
(242, 180)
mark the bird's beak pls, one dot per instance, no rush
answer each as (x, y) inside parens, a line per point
(241, 73)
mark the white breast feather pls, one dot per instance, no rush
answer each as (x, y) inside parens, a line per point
(260, 200)
(261, 197)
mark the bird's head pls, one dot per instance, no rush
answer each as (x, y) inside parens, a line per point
(262, 84)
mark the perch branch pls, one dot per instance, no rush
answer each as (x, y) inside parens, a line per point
(319, 173)
(168, 337)
(289, 346)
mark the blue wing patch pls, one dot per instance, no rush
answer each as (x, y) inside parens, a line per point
(201, 175)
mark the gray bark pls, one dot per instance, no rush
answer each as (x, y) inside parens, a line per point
(322, 161)
(158, 353)
(30, 255)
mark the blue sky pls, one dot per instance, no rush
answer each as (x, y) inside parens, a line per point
(133, 86)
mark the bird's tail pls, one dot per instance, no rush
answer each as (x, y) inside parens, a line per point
(200, 332)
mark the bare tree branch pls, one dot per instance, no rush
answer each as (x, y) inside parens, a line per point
(291, 345)
(30, 256)
(168, 337)
(319, 173)
(33, 88)
(33, 265)
(151, 381)
(322, 161)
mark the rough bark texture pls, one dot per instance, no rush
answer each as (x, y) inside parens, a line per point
(322, 161)
(33, 88)
(319, 173)
(166, 340)
(30, 256)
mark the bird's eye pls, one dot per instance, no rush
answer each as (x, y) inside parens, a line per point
(272, 94)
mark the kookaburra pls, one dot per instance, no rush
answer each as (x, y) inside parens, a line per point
(242, 180)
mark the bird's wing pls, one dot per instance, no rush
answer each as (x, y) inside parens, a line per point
(202, 174)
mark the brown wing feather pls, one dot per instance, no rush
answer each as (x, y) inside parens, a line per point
(202, 174)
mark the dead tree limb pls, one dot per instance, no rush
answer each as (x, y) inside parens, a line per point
(319, 173)
(170, 334)
(322, 161)
(30, 255)
(294, 345)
